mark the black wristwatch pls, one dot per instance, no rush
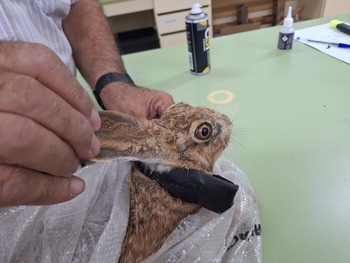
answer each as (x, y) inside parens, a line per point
(106, 79)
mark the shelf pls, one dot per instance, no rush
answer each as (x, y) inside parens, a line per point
(122, 7)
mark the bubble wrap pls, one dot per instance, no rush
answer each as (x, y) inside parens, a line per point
(91, 227)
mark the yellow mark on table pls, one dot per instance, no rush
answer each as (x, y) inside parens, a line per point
(221, 97)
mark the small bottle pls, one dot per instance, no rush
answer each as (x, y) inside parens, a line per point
(286, 34)
(197, 31)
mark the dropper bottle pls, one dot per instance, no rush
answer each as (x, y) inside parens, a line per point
(286, 33)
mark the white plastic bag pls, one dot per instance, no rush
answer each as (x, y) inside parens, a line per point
(91, 227)
(233, 236)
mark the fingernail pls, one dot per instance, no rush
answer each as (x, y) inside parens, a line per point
(77, 186)
(95, 119)
(95, 145)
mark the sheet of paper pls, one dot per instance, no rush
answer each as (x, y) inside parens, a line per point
(328, 34)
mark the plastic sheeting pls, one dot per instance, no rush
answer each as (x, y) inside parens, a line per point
(91, 227)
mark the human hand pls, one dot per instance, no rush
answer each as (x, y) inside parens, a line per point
(47, 124)
(139, 102)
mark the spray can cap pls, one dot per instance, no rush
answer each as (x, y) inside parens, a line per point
(196, 9)
(288, 20)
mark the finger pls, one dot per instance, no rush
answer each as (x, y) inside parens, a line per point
(21, 186)
(158, 103)
(42, 63)
(26, 96)
(146, 104)
(26, 143)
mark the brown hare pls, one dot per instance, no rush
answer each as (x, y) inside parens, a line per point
(185, 139)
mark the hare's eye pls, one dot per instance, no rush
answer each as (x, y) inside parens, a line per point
(203, 131)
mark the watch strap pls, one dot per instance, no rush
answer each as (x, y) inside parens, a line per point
(105, 79)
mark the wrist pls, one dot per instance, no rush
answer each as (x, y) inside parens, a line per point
(107, 79)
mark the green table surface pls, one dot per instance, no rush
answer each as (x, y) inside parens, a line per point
(291, 135)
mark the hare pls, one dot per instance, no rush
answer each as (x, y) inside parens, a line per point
(184, 137)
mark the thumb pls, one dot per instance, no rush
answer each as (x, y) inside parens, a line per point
(21, 186)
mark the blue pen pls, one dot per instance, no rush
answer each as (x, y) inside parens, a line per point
(340, 45)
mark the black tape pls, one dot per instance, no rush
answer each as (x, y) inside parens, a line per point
(210, 191)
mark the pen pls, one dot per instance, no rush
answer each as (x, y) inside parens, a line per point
(342, 27)
(340, 45)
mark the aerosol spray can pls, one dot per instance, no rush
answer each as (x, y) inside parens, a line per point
(286, 34)
(197, 30)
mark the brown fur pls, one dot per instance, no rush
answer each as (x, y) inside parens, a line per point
(161, 144)
(154, 214)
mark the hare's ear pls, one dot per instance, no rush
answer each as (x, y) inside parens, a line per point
(117, 135)
(112, 118)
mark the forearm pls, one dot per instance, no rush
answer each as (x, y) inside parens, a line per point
(95, 53)
(92, 41)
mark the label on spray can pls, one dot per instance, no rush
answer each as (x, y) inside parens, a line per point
(197, 30)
